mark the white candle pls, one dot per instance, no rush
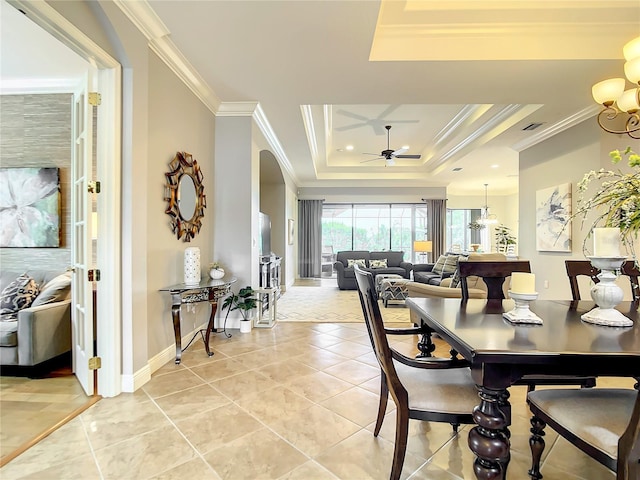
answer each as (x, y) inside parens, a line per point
(606, 242)
(523, 282)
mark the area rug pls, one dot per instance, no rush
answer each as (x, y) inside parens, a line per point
(329, 304)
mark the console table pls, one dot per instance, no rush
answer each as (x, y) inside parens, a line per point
(207, 290)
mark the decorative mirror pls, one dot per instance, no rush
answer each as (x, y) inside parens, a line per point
(184, 194)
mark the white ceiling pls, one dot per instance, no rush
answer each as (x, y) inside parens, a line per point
(457, 80)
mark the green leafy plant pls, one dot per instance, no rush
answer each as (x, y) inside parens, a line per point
(215, 265)
(617, 200)
(476, 226)
(503, 235)
(245, 301)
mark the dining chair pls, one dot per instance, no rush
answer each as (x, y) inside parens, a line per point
(577, 268)
(602, 422)
(494, 275)
(432, 389)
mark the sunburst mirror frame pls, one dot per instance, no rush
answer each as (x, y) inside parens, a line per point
(184, 164)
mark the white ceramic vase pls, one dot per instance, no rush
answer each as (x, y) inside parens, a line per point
(216, 273)
(192, 265)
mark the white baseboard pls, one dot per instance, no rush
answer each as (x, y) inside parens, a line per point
(131, 383)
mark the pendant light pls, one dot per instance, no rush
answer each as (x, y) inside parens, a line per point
(485, 217)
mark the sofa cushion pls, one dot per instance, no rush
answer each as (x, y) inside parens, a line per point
(382, 263)
(394, 259)
(361, 262)
(55, 290)
(9, 330)
(18, 294)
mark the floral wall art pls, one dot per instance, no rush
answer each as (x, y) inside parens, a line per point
(29, 207)
(553, 211)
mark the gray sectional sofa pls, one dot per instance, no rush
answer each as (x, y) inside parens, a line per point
(35, 316)
(374, 262)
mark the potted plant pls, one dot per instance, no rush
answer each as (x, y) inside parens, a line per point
(504, 238)
(216, 272)
(245, 301)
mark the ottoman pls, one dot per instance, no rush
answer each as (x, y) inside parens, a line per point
(393, 289)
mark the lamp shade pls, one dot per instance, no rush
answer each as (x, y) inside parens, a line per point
(422, 246)
(628, 101)
(631, 49)
(632, 70)
(608, 91)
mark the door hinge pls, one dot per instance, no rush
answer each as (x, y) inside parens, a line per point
(94, 275)
(93, 187)
(95, 363)
(95, 99)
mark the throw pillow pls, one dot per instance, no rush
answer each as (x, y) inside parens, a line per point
(361, 262)
(382, 263)
(455, 279)
(18, 294)
(450, 264)
(437, 268)
(55, 290)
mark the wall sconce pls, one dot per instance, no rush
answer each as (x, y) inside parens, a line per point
(423, 247)
(619, 102)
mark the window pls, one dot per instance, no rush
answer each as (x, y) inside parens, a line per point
(374, 227)
(458, 230)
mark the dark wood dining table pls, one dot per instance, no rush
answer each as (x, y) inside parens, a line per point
(501, 353)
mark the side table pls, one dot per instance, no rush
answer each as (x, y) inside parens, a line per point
(206, 291)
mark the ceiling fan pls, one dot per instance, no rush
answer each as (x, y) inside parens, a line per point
(390, 155)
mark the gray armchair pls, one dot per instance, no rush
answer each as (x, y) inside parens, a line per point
(41, 331)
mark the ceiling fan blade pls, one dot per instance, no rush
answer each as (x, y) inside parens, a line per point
(353, 115)
(376, 154)
(389, 162)
(372, 160)
(408, 156)
(349, 127)
(400, 151)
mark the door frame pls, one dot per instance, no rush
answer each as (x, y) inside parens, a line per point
(109, 160)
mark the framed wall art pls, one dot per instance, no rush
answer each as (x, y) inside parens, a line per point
(553, 214)
(29, 207)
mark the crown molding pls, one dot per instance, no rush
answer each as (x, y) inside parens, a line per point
(147, 21)
(151, 26)
(557, 127)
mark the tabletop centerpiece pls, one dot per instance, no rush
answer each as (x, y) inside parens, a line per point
(617, 206)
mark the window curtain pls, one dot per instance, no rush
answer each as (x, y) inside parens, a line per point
(310, 238)
(436, 223)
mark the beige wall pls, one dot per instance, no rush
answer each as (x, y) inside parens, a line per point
(564, 158)
(178, 121)
(504, 207)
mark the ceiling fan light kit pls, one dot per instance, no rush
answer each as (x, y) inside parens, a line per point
(617, 101)
(389, 155)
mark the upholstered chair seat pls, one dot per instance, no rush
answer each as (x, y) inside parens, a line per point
(593, 419)
(446, 391)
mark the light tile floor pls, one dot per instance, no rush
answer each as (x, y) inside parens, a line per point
(294, 402)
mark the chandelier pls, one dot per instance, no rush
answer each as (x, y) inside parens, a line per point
(620, 112)
(485, 217)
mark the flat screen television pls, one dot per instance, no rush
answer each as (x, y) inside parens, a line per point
(265, 234)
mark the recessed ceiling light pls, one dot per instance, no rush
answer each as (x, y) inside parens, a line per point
(495, 166)
(457, 169)
(349, 147)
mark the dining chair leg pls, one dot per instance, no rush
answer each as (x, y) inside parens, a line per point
(400, 449)
(537, 444)
(382, 405)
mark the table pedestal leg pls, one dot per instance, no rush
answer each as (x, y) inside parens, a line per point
(425, 345)
(175, 314)
(214, 307)
(489, 439)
